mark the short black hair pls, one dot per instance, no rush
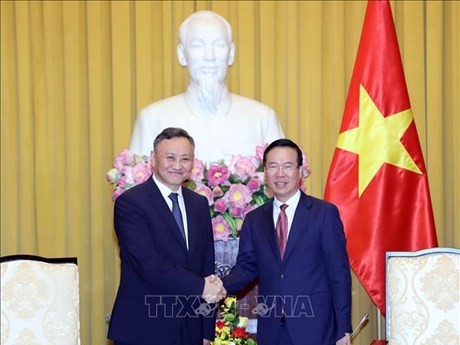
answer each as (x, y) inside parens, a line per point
(172, 132)
(284, 143)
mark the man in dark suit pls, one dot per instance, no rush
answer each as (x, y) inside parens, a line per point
(166, 250)
(301, 262)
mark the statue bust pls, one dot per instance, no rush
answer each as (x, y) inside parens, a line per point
(222, 123)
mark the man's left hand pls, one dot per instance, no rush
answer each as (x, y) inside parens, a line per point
(346, 340)
(206, 342)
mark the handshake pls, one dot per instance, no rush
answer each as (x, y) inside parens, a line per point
(213, 290)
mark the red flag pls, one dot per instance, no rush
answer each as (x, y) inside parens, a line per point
(377, 176)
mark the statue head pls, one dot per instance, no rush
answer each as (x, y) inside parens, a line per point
(207, 50)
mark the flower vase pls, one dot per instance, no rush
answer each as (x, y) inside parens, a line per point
(225, 259)
(225, 256)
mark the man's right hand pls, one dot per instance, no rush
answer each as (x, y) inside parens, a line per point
(213, 290)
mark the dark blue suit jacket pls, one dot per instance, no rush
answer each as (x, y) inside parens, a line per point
(161, 281)
(311, 285)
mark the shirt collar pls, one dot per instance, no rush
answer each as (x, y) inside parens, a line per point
(292, 202)
(165, 190)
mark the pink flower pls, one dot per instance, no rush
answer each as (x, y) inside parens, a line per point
(220, 229)
(220, 205)
(236, 212)
(232, 191)
(116, 193)
(141, 159)
(217, 192)
(254, 184)
(197, 174)
(248, 209)
(205, 191)
(141, 172)
(239, 195)
(217, 174)
(260, 152)
(123, 158)
(125, 181)
(305, 166)
(243, 167)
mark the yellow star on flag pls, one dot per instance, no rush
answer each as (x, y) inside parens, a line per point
(377, 140)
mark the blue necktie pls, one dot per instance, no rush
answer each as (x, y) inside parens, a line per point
(177, 213)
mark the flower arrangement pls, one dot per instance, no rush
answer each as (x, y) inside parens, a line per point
(232, 190)
(128, 170)
(230, 327)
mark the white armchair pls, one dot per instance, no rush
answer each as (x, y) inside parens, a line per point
(423, 297)
(39, 301)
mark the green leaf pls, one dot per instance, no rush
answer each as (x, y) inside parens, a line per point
(234, 179)
(229, 317)
(190, 185)
(232, 223)
(224, 189)
(258, 199)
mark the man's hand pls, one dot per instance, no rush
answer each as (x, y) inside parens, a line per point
(206, 342)
(213, 290)
(346, 340)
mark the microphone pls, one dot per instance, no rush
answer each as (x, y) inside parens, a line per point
(361, 324)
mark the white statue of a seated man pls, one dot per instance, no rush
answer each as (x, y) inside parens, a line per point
(222, 123)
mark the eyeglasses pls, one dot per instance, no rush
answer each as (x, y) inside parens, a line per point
(286, 167)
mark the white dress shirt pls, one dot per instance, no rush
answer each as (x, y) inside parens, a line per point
(290, 210)
(165, 191)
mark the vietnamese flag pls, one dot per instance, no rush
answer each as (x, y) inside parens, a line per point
(377, 177)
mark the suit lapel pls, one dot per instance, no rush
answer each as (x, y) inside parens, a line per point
(191, 221)
(269, 227)
(301, 218)
(164, 212)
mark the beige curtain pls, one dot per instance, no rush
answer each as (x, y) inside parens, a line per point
(74, 74)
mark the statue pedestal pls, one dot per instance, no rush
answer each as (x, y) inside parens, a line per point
(225, 259)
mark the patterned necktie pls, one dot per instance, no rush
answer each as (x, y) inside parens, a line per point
(282, 229)
(177, 213)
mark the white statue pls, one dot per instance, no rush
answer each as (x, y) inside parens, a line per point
(222, 123)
